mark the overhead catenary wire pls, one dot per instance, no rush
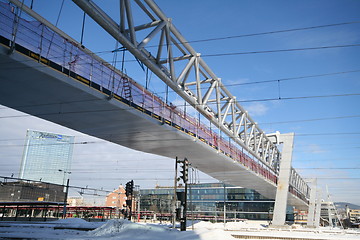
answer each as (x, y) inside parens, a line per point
(300, 97)
(257, 34)
(291, 78)
(169, 170)
(272, 32)
(176, 139)
(240, 53)
(280, 50)
(179, 105)
(311, 120)
(237, 36)
(236, 84)
(139, 159)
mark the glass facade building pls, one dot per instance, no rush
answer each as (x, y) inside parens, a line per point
(206, 201)
(47, 157)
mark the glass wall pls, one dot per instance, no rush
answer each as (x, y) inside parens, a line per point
(47, 157)
(207, 201)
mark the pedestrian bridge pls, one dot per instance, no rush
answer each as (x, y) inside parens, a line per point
(51, 76)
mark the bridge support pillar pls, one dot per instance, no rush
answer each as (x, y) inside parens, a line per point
(282, 191)
(318, 209)
(312, 205)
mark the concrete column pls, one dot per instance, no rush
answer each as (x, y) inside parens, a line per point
(282, 191)
(312, 204)
(318, 209)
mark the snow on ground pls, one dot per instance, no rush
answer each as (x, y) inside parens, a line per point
(124, 229)
(121, 229)
(232, 225)
(76, 223)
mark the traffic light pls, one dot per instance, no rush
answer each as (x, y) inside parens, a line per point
(129, 187)
(185, 170)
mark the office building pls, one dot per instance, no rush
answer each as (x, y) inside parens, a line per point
(47, 157)
(206, 201)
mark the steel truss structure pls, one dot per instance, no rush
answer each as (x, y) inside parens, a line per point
(179, 66)
(204, 91)
(184, 71)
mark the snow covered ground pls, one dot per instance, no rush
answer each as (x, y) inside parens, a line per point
(124, 230)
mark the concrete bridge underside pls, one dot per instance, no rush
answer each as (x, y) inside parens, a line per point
(34, 88)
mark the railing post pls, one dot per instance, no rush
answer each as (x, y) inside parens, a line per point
(69, 63)
(64, 56)
(152, 106)
(91, 69)
(15, 28)
(41, 42)
(143, 98)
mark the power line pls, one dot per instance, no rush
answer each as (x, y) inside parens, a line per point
(111, 169)
(326, 134)
(250, 34)
(58, 103)
(111, 110)
(310, 120)
(232, 53)
(227, 85)
(325, 168)
(334, 178)
(280, 50)
(51, 144)
(292, 78)
(272, 32)
(256, 34)
(327, 159)
(301, 97)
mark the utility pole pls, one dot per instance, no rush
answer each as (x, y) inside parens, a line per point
(174, 197)
(65, 198)
(224, 205)
(138, 202)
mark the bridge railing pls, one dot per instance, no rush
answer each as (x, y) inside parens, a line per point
(50, 47)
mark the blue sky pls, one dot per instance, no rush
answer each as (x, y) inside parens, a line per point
(327, 142)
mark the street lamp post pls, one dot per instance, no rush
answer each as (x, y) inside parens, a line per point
(66, 190)
(65, 198)
(65, 172)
